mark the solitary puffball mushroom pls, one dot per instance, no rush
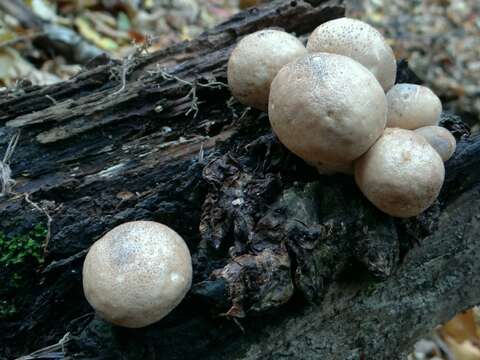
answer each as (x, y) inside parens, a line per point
(256, 60)
(327, 109)
(412, 106)
(401, 174)
(361, 42)
(440, 139)
(137, 273)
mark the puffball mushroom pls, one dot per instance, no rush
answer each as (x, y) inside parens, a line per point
(328, 109)
(137, 273)
(401, 174)
(256, 60)
(440, 139)
(361, 42)
(412, 106)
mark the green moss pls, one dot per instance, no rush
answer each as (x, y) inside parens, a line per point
(370, 288)
(18, 249)
(19, 257)
(7, 309)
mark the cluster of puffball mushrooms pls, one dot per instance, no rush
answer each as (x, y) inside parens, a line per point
(334, 103)
(327, 104)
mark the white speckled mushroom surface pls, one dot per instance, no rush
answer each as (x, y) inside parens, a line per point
(401, 174)
(440, 139)
(412, 106)
(327, 109)
(137, 273)
(256, 60)
(361, 42)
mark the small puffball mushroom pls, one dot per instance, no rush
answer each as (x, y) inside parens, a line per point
(256, 60)
(401, 174)
(412, 106)
(137, 273)
(327, 108)
(440, 139)
(361, 42)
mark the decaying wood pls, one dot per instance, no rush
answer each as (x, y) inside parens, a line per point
(286, 263)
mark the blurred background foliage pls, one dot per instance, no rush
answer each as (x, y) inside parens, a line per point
(111, 26)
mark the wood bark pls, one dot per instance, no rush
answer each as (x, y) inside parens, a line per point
(287, 263)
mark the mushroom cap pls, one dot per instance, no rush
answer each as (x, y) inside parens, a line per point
(256, 60)
(412, 106)
(327, 108)
(137, 273)
(361, 42)
(401, 174)
(440, 139)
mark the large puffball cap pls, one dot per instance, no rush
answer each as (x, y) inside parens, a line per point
(137, 273)
(412, 106)
(401, 174)
(327, 109)
(361, 42)
(440, 139)
(256, 60)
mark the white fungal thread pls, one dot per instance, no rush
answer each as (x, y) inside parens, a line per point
(130, 62)
(192, 94)
(6, 181)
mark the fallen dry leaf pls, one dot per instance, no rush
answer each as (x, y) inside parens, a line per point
(463, 351)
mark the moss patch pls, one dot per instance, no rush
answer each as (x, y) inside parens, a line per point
(18, 249)
(20, 256)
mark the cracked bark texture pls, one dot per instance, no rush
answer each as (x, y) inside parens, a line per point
(287, 263)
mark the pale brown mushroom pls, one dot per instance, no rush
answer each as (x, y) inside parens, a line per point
(440, 139)
(328, 109)
(412, 106)
(401, 174)
(256, 60)
(137, 273)
(361, 42)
